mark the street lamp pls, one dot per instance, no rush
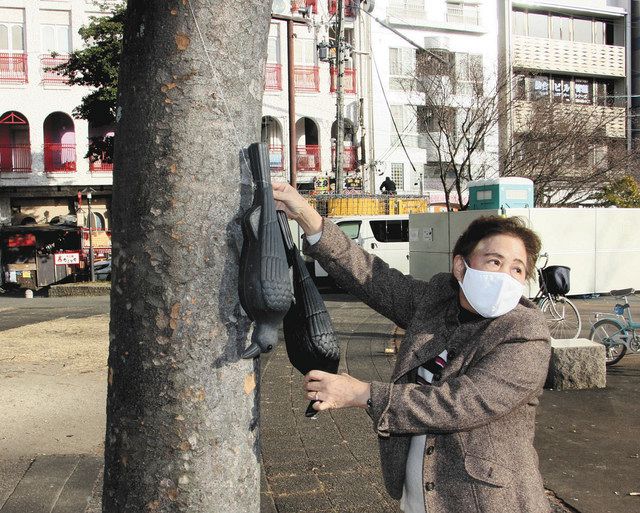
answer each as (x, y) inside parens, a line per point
(88, 191)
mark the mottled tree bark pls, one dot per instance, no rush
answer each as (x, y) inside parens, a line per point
(182, 409)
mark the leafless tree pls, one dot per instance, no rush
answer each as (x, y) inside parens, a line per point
(570, 151)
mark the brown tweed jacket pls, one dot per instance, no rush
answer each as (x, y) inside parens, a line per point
(479, 419)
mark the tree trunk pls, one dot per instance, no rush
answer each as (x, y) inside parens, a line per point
(182, 408)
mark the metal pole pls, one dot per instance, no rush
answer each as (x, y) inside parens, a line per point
(93, 274)
(293, 150)
(339, 98)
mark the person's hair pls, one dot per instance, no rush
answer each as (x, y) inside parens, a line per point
(488, 226)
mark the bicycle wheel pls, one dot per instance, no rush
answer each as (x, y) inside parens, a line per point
(562, 317)
(608, 333)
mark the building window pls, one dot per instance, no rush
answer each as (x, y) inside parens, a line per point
(406, 7)
(564, 28)
(402, 65)
(426, 120)
(469, 74)
(561, 28)
(561, 90)
(520, 23)
(540, 87)
(273, 44)
(55, 32)
(538, 25)
(405, 120)
(397, 174)
(583, 91)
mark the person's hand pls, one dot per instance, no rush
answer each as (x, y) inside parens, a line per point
(296, 207)
(335, 390)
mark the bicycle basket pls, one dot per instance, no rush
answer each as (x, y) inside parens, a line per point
(556, 278)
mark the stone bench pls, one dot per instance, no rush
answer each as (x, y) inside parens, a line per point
(576, 363)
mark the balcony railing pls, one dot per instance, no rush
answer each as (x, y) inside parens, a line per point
(349, 159)
(306, 79)
(273, 77)
(348, 6)
(15, 158)
(308, 158)
(48, 75)
(554, 55)
(13, 68)
(276, 158)
(98, 166)
(463, 14)
(348, 80)
(59, 158)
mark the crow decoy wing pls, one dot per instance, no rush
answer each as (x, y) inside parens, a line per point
(264, 284)
(308, 331)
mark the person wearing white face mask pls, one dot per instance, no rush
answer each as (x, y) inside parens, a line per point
(456, 423)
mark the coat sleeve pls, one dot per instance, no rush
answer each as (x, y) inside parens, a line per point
(386, 290)
(509, 376)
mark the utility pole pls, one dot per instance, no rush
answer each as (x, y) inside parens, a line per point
(182, 406)
(340, 48)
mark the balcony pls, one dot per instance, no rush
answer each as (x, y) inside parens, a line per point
(463, 14)
(308, 159)
(348, 81)
(273, 77)
(13, 68)
(348, 6)
(276, 159)
(48, 75)
(554, 55)
(15, 158)
(59, 158)
(349, 159)
(306, 79)
(98, 166)
(613, 118)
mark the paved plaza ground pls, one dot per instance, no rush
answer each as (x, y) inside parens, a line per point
(52, 394)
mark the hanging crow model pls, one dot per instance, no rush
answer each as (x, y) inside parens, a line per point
(264, 284)
(308, 332)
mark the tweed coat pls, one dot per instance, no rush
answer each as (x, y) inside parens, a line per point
(479, 417)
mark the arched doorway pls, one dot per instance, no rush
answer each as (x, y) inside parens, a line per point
(307, 147)
(272, 135)
(59, 143)
(15, 146)
(350, 155)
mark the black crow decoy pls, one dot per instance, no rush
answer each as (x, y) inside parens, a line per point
(264, 284)
(308, 332)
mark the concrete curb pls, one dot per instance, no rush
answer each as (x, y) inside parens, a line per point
(80, 289)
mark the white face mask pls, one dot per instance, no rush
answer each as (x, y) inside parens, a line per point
(491, 294)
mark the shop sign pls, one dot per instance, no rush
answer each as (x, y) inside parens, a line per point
(70, 258)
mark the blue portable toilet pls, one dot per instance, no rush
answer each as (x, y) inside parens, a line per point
(495, 193)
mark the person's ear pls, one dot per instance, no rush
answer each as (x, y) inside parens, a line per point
(458, 268)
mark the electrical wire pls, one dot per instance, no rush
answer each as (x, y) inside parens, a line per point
(395, 126)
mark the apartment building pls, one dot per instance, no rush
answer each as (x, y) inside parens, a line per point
(573, 56)
(314, 115)
(465, 35)
(42, 147)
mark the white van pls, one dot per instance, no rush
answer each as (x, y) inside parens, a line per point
(384, 236)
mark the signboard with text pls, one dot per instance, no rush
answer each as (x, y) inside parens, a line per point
(71, 258)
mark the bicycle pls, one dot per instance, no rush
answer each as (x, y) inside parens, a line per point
(617, 331)
(561, 314)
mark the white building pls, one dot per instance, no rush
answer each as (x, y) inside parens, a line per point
(42, 147)
(466, 32)
(314, 92)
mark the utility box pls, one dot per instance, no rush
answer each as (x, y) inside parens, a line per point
(497, 193)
